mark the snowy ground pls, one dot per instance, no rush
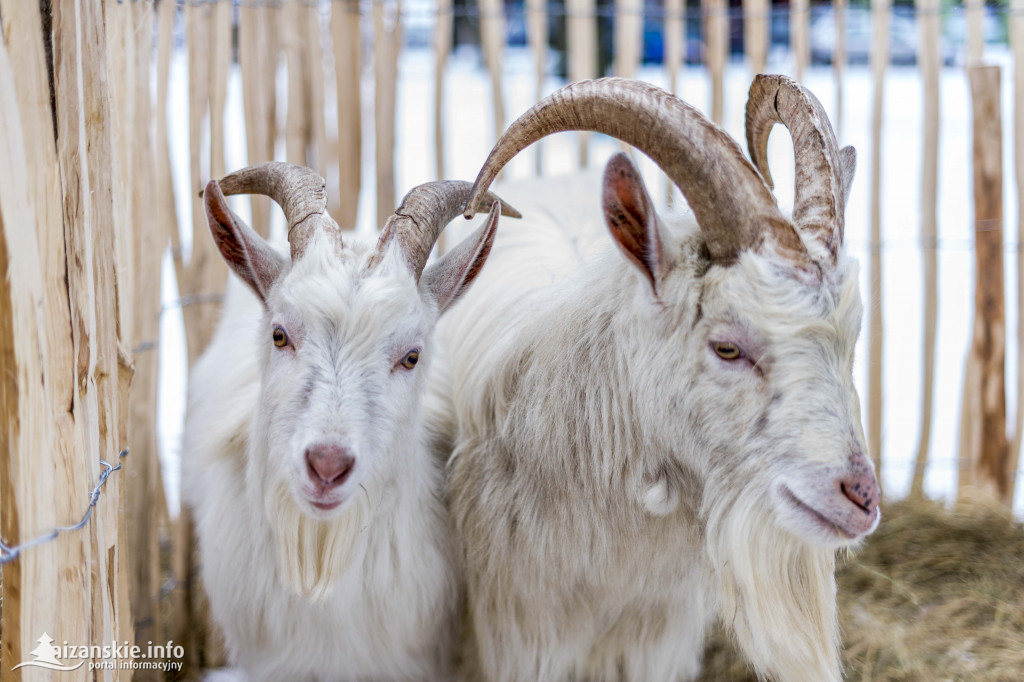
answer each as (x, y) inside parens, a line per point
(470, 134)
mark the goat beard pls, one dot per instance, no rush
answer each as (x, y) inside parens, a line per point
(313, 553)
(777, 592)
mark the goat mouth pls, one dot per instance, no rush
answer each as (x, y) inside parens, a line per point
(326, 506)
(830, 526)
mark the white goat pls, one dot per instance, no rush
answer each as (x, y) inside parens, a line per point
(323, 538)
(649, 443)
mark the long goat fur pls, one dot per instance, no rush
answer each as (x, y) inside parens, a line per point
(614, 485)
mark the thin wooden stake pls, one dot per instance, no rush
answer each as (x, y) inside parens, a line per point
(928, 12)
(988, 457)
(581, 42)
(879, 59)
(537, 32)
(799, 27)
(1017, 43)
(628, 36)
(347, 43)
(717, 41)
(839, 63)
(255, 59)
(492, 39)
(387, 38)
(755, 33)
(442, 46)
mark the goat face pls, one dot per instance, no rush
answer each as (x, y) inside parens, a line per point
(340, 344)
(765, 388)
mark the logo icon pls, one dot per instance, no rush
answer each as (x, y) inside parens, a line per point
(46, 656)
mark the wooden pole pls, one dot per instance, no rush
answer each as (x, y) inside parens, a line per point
(1017, 43)
(674, 42)
(755, 33)
(492, 39)
(628, 36)
(988, 458)
(537, 32)
(879, 59)
(839, 62)
(442, 46)
(975, 10)
(717, 41)
(928, 15)
(347, 43)
(581, 46)
(255, 60)
(799, 26)
(387, 38)
(63, 237)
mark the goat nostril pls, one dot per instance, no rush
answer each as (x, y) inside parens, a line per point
(861, 492)
(328, 465)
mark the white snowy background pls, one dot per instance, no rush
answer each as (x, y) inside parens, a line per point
(469, 133)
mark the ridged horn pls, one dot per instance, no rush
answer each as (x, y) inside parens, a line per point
(819, 199)
(299, 191)
(424, 212)
(733, 206)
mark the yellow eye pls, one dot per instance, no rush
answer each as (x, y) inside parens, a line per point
(280, 337)
(410, 359)
(728, 351)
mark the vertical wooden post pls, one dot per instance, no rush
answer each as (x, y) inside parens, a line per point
(675, 41)
(755, 33)
(492, 39)
(987, 474)
(975, 10)
(1017, 43)
(628, 36)
(537, 32)
(581, 45)
(928, 59)
(386, 40)
(799, 26)
(839, 62)
(257, 59)
(64, 236)
(717, 41)
(442, 46)
(879, 59)
(347, 43)
(143, 477)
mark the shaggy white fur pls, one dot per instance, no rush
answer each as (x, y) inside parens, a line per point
(616, 485)
(364, 591)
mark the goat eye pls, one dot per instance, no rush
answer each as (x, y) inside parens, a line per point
(410, 359)
(280, 337)
(728, 351)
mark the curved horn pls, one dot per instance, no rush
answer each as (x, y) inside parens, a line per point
(732, 204)
(819, 187)
(423, 213)
(300, 192)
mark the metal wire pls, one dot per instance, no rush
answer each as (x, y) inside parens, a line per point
(8, 553)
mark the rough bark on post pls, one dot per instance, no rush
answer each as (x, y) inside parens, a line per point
(928, 11)
(987, 473)
(1017, 42)
(879, 59)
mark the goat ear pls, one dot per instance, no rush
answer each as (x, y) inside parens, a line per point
(449, 277)
(246, 253)
(847, 167)
(631, 217)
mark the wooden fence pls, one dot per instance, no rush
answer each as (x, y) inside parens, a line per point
(87, 210)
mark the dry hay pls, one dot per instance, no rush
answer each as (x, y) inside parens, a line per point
(932, 595)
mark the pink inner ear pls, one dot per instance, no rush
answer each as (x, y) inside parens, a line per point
(630, 215)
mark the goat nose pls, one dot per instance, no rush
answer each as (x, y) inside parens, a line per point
(861, 488)
(328, 464)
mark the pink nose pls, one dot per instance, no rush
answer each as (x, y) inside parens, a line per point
(861, 488)
(328, 464)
